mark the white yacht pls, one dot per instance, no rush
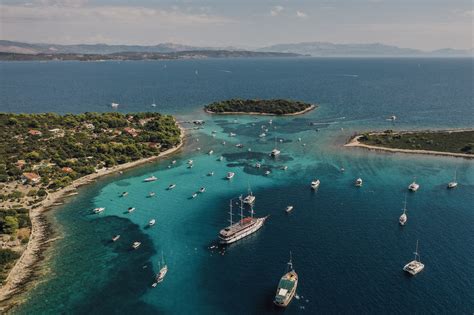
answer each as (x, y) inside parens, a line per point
(135, 245)
(124, 194)
(190, 162)
(114, 105)
(239, 145)
(151, 222)
(403, 218)
(232, 134)
(99, 210)
(315, 184)
(221, 158)
(263, 135)
(115, 238)
(289, 209)
(284, 168)
(151, 194)
(150, 179)
(358, 182)
(194, 195)
(267, 173)
(210, 174)
(250, 198)
(210, 152)
(454, 183)
(202, 189)
(173, 162)
(131, 209)
(414, 266)
(172, 186)
(230, 175)
(275, 152)
(258, 165)
(413, 186)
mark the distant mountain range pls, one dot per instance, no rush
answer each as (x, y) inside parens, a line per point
(316, 49)
(322, 49)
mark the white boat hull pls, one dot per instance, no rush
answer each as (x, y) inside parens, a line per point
(240, 236)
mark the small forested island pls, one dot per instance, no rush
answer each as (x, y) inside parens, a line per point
(42, 154)
(443, 142)
(260, 107)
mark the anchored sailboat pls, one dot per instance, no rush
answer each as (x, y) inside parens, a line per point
(287, 286)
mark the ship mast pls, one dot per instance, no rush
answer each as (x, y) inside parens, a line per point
(290, 263)
(405, 205)
(416, 252)
(251, 211)
(241, 209)
(230, 211)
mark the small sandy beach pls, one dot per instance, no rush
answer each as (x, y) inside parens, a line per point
(20, 274)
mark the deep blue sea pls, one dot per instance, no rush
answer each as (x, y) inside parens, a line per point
(347, 246)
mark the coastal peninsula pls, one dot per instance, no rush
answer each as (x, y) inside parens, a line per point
(278, 107)
(459, 143)
(45, 157)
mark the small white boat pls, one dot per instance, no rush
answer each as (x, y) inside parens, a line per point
(210, 174)
(342, 169)
(202, 189)
(114, 105)
(198, 149)
(194, 195)
(275, 152)
(232, 134)
(289, 209)
(258, 165)
(415, 266)
(358, 182)
(163, 270)
(190, 162)
(210, 152)
(250, 198)
(262, 135)
(239, 145)
(223, 142)
(267, 173)
(270, 122)
(249, 150)
(99, 210)
(171, 186)
(213, 132)
(403, 218)
(131, 209)
(299, 139)
(315, 184)
(115, 238)
(150, 179)
(284, 168)
(221, 158)
(190, 165)
(454, 183)
(413, 186)
(151, 222)
(230, 175)
(393, 117)
(173, 162)
(124, 194)
(153, 105)
(135, 245)
(151, 194)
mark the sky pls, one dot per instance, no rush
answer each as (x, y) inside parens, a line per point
(420, 24)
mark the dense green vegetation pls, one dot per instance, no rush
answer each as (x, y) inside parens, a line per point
(67, 147)
(7, 258)
(276, 106)
(442, 141)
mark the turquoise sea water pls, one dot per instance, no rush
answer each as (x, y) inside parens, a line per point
(348, 248)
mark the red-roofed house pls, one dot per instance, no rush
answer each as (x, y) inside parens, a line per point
(34, 132)
(30, 178)
(131, 131)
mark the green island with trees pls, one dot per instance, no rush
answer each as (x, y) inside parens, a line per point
(42, 153)
(454, 141)
(256, 106)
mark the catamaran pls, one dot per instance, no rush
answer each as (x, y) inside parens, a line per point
(454, 183)
(275, 152)
(99, 210)
(413, 186)
(244, 227)
(135, 245)
(287, 286)
(250, 198)
(414, 266)
(150, 179)
(315, 184)
(403, 218)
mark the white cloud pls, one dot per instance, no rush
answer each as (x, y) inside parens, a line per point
(301, 14)
(276, 10)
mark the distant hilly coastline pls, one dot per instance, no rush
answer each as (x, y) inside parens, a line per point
(11, 50)
(324, 49)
